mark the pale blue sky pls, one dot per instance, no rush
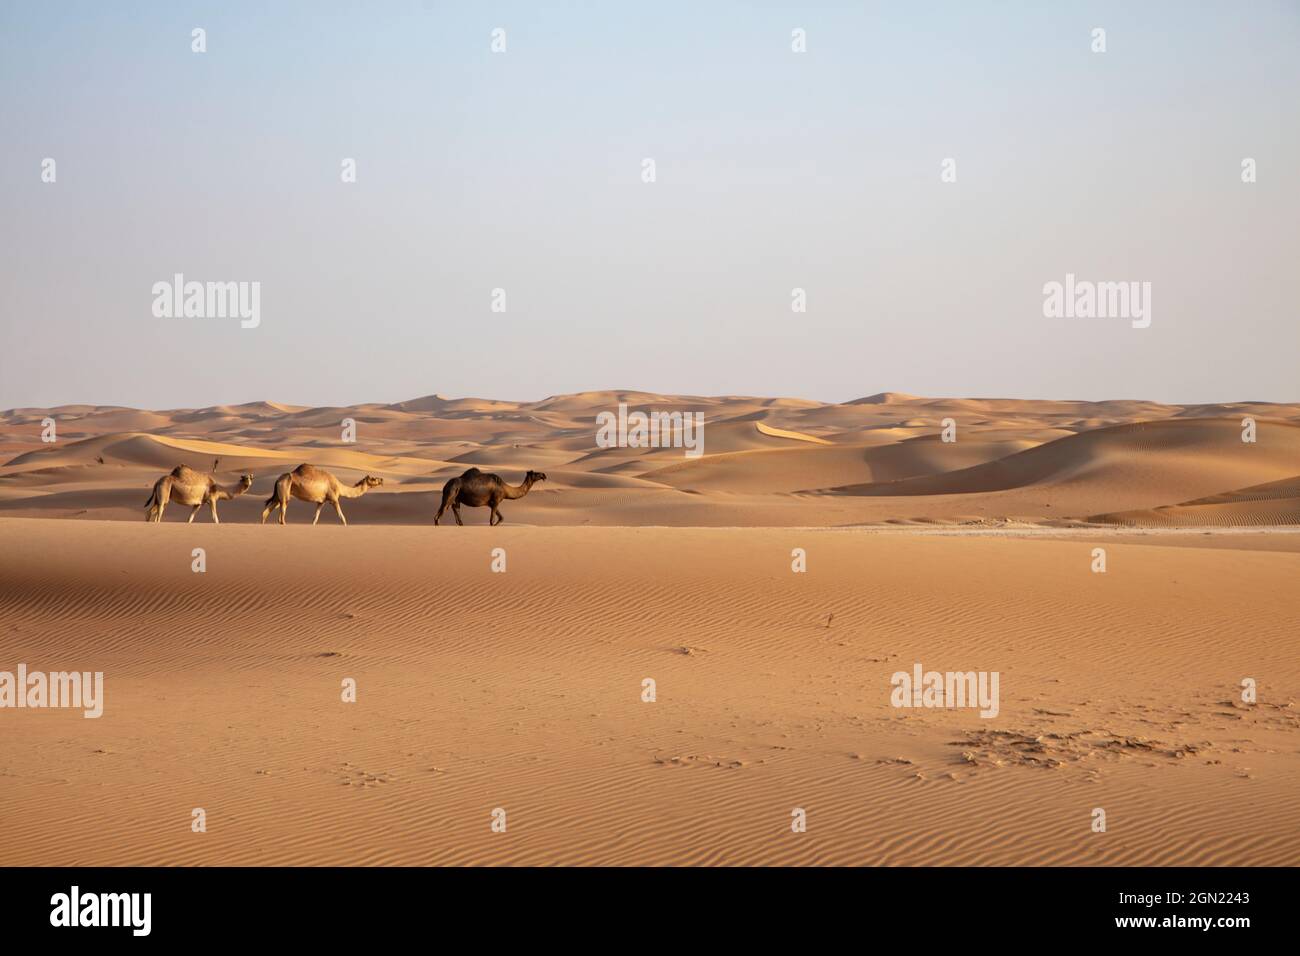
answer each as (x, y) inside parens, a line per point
(522, 171)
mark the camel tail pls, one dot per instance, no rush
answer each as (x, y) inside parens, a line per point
(153, 506)
(449, 491)
(280, 493)
(275, 492)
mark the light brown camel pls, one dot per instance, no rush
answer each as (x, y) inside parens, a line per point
(309, 483)
(478, 488)
(186, 486)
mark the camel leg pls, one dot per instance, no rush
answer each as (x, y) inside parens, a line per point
(455, 509)
(279, 499)
(215, 519)
(151, 515)
(449, 493)
(194, 512)
(317, 518)
(272, 503)
(164, 496)
(339, 510)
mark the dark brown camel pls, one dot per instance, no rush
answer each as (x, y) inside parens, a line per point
(477, 489)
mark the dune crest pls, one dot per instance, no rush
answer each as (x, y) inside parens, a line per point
(776, 462)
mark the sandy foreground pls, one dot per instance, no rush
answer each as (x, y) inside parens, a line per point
(523, 690)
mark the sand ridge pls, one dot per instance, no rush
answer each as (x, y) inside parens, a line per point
(772, 462)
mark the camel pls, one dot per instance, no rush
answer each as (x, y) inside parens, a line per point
(316, 485)
(476, 489)
(186, 486)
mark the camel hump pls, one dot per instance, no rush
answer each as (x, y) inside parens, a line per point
(306, 471)
(470, 473)
(183, 471)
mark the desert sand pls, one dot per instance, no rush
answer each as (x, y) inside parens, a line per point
(523, 690)
(766, 462)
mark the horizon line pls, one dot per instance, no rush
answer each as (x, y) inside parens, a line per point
(883, 397)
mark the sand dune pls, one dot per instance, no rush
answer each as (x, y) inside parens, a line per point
(765, 429)
(1143, 463)
(797, 469)
(523, 691)
(1268, 504)
(766, 461)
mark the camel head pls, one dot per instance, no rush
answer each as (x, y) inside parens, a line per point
(245, 482)
(370, 481)
(534, 476)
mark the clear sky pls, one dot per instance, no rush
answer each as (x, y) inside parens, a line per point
(522, 171)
